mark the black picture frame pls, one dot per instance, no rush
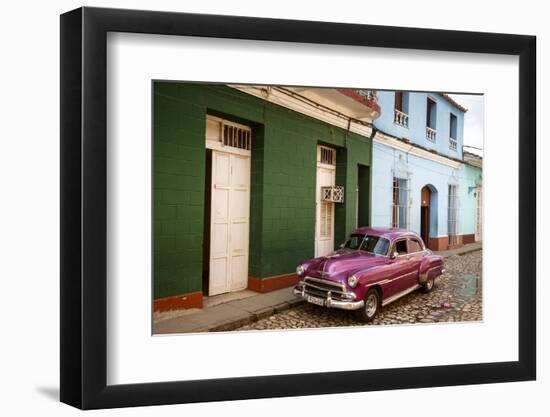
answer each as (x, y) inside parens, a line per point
(84, 207)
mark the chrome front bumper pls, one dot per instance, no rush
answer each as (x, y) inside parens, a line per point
(328, 301)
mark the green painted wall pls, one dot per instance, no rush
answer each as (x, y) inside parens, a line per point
(282, 217)
(472, 177)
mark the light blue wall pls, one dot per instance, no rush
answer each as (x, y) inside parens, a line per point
(386, 162)
(472, 178)
(416, 131)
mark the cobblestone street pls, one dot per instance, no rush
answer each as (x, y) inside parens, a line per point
(457, 296)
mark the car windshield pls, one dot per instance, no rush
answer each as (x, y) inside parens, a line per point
(373, 244)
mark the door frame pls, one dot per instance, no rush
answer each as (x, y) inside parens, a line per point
(327, 167)
(215, 144)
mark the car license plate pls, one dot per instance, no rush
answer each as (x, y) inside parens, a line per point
(315, 300)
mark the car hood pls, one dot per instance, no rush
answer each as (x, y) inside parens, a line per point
(340, 264)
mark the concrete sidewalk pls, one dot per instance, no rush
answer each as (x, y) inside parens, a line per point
(462, 250)
(230, 315)
(240, 312)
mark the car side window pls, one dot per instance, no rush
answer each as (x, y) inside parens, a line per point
(401, 247)
(414, 246)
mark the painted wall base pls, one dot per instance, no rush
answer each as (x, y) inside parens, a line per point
(438, 243)
(195, 299)
(442, 242)
(466, 239)
(178, 302)
(272, 283)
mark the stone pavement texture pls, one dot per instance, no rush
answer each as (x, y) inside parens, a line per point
(456, 297)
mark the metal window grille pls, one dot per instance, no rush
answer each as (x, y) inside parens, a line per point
(236, 136)
(333, 194)
(452, 214)
(326, 155)
(401, 203)
(326, 219)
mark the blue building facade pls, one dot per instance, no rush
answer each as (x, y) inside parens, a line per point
(418, 178)
(430, 120)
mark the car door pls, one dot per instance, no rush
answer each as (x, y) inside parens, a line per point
(415, 255)
(401, 268)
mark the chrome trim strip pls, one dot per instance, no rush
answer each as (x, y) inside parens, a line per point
(346, 305)
(324, 288)
(388, 280)
(329, 302)
(399, 295)
(325, 281)
(382, 282)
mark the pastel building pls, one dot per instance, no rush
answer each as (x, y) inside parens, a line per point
(418, 177)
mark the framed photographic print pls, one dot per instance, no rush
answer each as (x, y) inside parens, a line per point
(258, 208)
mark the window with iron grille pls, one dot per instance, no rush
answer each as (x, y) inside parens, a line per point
(327, 209)
(400, 206)
(452, 214)
(326, 155)
(236, 136)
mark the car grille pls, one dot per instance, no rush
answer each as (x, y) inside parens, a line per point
(321, 287)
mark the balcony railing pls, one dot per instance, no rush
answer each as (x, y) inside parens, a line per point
(400, 118)
(431, 134)
(369, 94)
(364, 105)
(452, 143)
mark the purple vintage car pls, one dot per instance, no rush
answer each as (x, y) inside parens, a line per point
(374, 267)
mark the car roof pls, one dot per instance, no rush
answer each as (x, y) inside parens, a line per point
(390, 233)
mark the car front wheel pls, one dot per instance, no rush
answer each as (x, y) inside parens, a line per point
(371, 306)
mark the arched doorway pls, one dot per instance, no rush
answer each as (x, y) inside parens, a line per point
(428, 213)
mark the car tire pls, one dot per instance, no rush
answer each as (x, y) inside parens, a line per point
(371, 306)
(428, 286)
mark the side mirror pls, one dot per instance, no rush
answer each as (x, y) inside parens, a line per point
(393, 255)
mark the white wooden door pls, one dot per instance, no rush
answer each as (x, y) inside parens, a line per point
(229, 228)
(324, 218)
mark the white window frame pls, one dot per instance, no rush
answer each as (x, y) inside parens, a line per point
(453, 213)
(395, 209)
(217, 138)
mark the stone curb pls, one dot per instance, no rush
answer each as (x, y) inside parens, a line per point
(462, 253)
(253, 317)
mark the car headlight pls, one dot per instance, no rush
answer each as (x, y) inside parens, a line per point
(352, 281)
(300, 270)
